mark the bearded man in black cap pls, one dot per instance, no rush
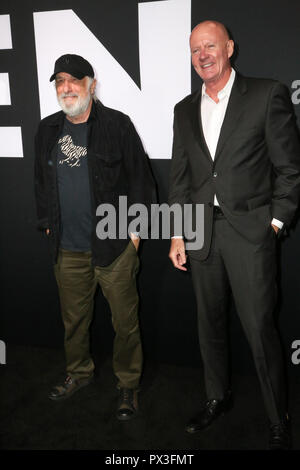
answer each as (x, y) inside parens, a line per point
(87, 155)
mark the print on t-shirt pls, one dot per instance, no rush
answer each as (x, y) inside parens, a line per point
(72, 152)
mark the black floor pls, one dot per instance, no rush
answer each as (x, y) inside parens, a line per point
(169, 396)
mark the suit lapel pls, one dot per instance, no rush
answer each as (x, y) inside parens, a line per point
(233, 112)
(197, 124)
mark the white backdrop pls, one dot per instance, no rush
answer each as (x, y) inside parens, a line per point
(165, 70)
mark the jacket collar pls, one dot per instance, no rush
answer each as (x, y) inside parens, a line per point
(239, 83)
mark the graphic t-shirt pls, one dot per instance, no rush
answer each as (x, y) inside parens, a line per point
(74, 187)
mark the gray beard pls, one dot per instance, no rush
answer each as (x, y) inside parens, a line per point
(77, 108)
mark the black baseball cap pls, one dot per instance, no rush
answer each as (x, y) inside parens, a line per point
(73, 64)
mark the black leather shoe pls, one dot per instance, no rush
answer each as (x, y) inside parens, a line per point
(280, 436)
(128, 404)
(211, 411)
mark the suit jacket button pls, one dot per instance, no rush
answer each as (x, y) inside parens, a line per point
(215, 174)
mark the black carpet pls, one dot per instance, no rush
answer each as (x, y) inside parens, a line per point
(169, 397)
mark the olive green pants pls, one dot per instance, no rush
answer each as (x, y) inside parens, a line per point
(77, 280)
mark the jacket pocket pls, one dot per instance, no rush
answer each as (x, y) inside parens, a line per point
(107, 170)
(110, 161)
(258, 201)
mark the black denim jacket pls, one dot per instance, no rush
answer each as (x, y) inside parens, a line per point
(117, 166)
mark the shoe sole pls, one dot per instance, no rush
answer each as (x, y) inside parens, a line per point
(126, 418)
(68, 395)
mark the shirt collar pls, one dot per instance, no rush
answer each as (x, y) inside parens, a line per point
(227, 88)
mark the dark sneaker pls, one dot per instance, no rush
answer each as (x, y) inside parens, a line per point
(128, 404)
(68, 387)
